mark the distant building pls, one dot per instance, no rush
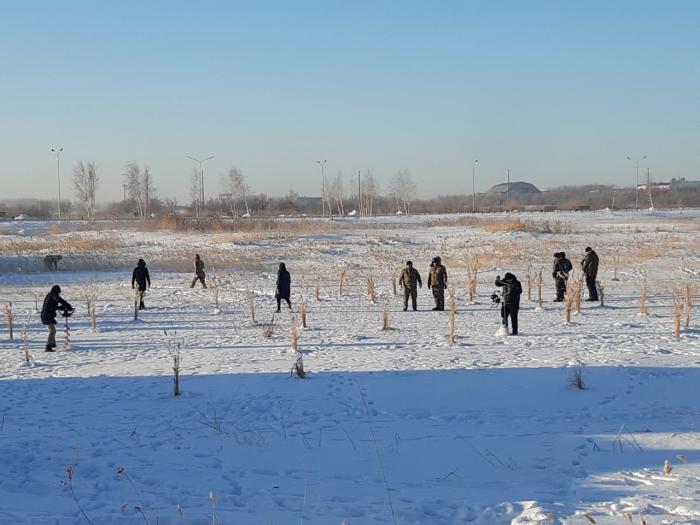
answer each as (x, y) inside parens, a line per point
(682, 184)
(514, 188)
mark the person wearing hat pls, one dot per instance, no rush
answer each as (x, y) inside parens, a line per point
(283, 286)
(560, 272)
(437, 281)
(52, 304)
(510, 302)
(589, 265)
(410, 281)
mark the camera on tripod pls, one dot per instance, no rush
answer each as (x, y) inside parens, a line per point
(67, 312)
(495, 298)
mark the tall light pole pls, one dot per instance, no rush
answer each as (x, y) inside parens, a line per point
(473, 191)
(322, 163)
(508, 189)
(636, 186)
(201, 177)
(58, 151)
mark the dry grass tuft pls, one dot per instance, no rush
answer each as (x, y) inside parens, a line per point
(302, 314)
(9, 319)
(25, 338)
(250, 298)
(341, 281)
(678, 306)
(385, 317)
(538, 283)
(317, 290)
(371, 292)
(298, 367)
(689, 296)
(644, 295)
(615, 264)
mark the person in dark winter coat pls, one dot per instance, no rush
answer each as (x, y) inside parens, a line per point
(437, 281)
(410, 281)
(283, 287)
(510, 302)
(141, 277)
(52, 304)
(589, 265)
(199, 274)
(560, 273)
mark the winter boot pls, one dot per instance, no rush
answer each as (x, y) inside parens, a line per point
(49, 348)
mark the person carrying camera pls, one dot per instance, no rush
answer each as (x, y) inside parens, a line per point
(510, 303)
(52, 304)
(437, 281)
(560, 272)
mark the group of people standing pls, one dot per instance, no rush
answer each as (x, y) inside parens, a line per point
(410, 281)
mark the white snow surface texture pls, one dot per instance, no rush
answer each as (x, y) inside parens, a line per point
(397, 426)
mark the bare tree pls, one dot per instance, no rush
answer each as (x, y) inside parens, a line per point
(237, 185)
(370, 190)
(85, 181)
(403, 189)
(337, 192)
(135, 189)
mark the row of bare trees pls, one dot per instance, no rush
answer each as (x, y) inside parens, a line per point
(401, 188)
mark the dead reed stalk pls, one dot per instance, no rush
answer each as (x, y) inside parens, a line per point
(453, 315)
(616, 264)
(528, 281)
(25, 337)
(578, 288)
(92, 304)
(385, 317)
(371, 292)
(644, 296)
(9, 319)
(250, 297)
(678, 306)
(294, 335)
(318, 289)
(393, 281)
(538, 283)
(570, 299)
(176, 371)
(215, 294)
(302, 314)
(689, 293)
(473, 267)
(341, 282)
(601, 292)
(269, 329)
(137, 297)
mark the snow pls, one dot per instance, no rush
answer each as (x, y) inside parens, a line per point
(389, 426)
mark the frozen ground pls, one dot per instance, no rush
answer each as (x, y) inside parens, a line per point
(397, 426)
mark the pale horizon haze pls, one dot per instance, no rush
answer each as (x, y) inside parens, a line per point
(559, 92)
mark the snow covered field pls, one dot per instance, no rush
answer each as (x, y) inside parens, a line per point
(389, 426)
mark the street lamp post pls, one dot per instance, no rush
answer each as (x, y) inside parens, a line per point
(322, 163)
(58, 151)
(636, 186)
(473, 185)
(201, 177)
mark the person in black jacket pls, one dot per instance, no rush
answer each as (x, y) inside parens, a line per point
(199, 274)
(560, 272)
(284, 281)
(510, 302)
(143, 279)
(589, 265)
(52, 304)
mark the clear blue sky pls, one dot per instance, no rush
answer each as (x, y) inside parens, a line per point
(558, 91)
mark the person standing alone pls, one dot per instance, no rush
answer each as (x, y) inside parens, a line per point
(199, 274)
(410, 280)
(52, 304)
(437, 280)
(589, 265)
(141, 277)
(283, 286)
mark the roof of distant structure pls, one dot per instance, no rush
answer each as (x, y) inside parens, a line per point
(515, 187)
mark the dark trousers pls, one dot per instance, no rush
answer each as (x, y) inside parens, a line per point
(561, 288)
(279, 302)
(413, 294)
(199, 278)
(51, 342)
(510, 310)
(140, 294)
(439, 296)
(592, 290)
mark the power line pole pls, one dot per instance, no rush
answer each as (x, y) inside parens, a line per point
(58, 151)
(359, 191)
(322, 163)
(508, 190)
(473, 191)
